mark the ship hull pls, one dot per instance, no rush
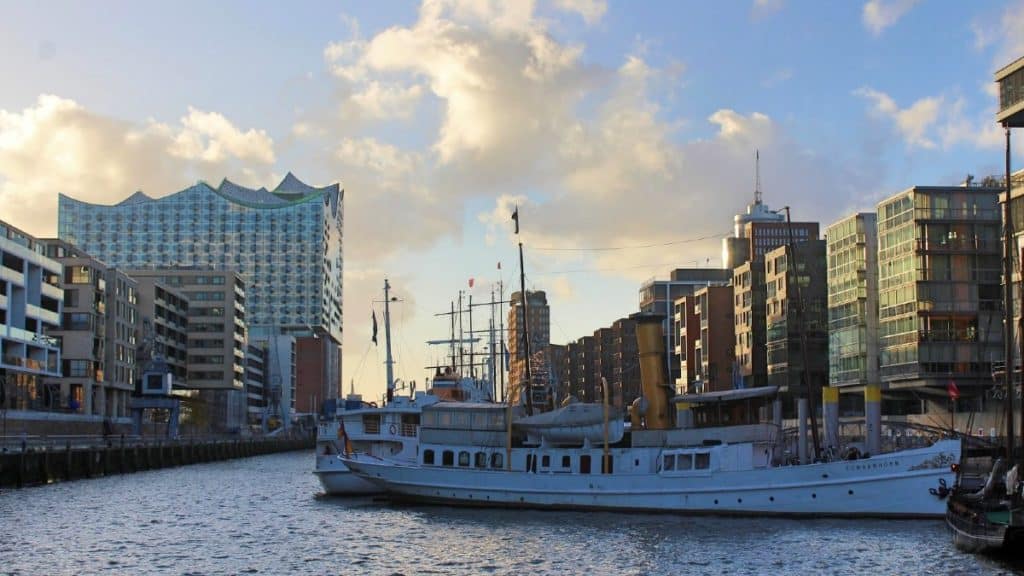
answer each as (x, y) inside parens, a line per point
(337, 480)
(890, 485)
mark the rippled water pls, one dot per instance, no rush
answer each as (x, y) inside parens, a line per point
(262, 515)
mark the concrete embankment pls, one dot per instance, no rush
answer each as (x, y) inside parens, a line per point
(35, 465)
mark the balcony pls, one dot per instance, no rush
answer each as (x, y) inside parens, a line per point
(43, 314)
(13, 276)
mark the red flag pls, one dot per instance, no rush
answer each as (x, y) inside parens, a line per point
(470, 282)
(953, 390)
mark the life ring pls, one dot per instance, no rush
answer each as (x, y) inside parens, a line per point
(393, 429)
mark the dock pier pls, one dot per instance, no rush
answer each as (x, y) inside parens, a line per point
(33, 463)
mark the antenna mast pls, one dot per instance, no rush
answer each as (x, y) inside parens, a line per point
(757, 177)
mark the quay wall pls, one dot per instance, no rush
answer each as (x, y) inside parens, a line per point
(37, 465)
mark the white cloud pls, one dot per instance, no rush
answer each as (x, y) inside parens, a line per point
(57, 146)
(913, 123)
(210, 137)
(764, 7)
(591, 10)
(880, 14)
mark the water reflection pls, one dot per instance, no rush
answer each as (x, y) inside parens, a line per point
(262, 515)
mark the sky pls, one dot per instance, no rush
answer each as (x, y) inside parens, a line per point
(624, 131)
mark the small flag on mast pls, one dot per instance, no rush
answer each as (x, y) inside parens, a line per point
(499, 265)
(515, 218)
(470, 282)
(374, 327)
(953, 390)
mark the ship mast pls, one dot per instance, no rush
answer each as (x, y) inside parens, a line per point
(387, 339)
(1008, 365)
(526, 320)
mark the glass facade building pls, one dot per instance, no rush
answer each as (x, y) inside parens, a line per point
(285, 243)
(853, 300)
(939, 287)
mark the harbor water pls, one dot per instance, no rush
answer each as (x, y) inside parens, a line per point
(263, 515)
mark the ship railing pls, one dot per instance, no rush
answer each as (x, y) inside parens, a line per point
(408, 430)
(371, 426)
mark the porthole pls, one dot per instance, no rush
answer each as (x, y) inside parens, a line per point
(716, 501)
(771, 498)
(850, 492)
(814, 495)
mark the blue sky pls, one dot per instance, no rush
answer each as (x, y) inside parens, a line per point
(612, 124)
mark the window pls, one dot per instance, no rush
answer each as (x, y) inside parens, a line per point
(684, 461)
(585, 464)
(481, 460)
(566, 461)
(702, 460)
(463, 458)
(670, 462)
(428, 456)
(545, 461)
(448, 458)
(497, 460)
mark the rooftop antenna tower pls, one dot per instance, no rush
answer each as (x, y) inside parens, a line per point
(757, 176)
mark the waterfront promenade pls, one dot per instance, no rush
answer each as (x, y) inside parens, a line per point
(35, 460)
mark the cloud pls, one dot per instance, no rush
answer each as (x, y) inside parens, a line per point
(591, 10)
(878, 15)
(913, 123)
(58, 146)
(935, 120)
(765, 7)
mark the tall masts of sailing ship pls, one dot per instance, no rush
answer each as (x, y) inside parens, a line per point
(528, 375)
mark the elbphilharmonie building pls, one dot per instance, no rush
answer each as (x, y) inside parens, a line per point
(286, 243)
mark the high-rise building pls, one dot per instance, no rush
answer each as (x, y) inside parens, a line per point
(659, 297)
(714, 348)
(256, 388)
(749, 294)
(939, 289)
(97, 333)
(797, 315)
(285, 243)
(31, 303)
(853, 301)
(626, 362)
(685, 318)
(317, 366)
(163, 315)
(540, 332)
(217, 336)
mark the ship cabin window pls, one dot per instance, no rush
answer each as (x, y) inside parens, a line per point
(545, 461)
(585, 464)
(566, 461)
(463, 458)
(481, 460)
(670, 462)
(607, 464)
(497, 461)
(428, 456)
(684, 461)
(447, 458)
(702, 460)
(371, 423)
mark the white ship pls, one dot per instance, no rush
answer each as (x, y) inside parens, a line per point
(389, 431)
(724, 459)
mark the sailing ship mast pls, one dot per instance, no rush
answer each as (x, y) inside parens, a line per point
(526, 320)
(387, 340)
